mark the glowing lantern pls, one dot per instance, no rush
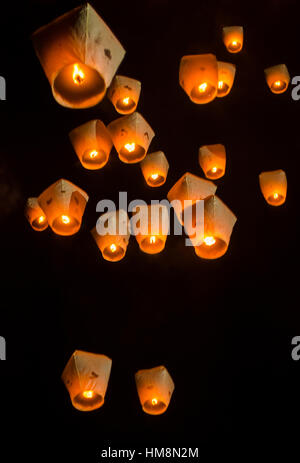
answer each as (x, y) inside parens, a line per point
(131, 136)
(35, 215)
(155, 388)
(113, 244)
(155, 168)
(150, 225)
(226, 74)
(189, 188)
(218, 224)
(233, 38)
(212, 159)
(86, 377)
(273, 185)
(198, 76)
(124, 93)
(80, 55)
(92, 144)
(63, 204)
(277, 78)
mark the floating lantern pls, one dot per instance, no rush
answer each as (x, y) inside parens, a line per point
(151, 227)
(86, 377)
(124, 93)
(92, 144)
(155, 388)
(189, 188)
(226, 74)
(63, 204)
(273, 185)
(277, 78)
(35, 215)
(113, 244)
(131, 136)
(198, 76)
(212, 159)
(218, 224)
(80, 55)
(155, 168)
(233, 38)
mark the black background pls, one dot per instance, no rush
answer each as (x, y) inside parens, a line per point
(223, 328)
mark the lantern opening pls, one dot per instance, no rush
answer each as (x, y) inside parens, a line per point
(156, 180)
(132, 152)
(222, 88)
(276, 199)
(40, 223)
(202, 92)
(126, 105)
(234, 46)
(65, 225)
(152, 244)
(94, 158)
(113, 253)
(278, 86)
(214, 173)
(211, 248)
(88, 400)
(154, 407)
(79, 84)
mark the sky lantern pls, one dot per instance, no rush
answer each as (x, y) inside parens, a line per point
(35, 215)
(218, 224)
(189, 188)
(113, 244)
(273, 185)
(63, 204)
(92, 144)
(86, 378)
(124, 93)
(233, 38)
(131, 136)
(277, 78)
(155, 168)
(150, 224)
(212, 160)
(226, 74)
(198, 76)
(155, 388)
(80, 56)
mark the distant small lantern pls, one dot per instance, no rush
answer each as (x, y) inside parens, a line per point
(35, 215)
(189, 188)
(155, 168)
(273, 185)
(113, 245)
(277, 78)
(152, 228)
(212, 159)
(131, 136)
(86, 378)
(80, 55)
(226, 74)
(233, 38)
(64, 204)
(218, 224)
(155, 388)
(198, 76)
(92, 144)
(124, 93)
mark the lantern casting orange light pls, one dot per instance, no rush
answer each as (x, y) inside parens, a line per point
(198, 76)
(273, 185)
(155, 388)
(233, 38)
(212, 160)
(124, 93)
(277, 78)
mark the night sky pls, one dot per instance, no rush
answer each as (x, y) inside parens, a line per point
(223, 328)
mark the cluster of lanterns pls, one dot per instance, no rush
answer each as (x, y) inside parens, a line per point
(86, 377)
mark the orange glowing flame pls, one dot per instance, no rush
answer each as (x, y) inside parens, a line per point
(154, 176)
(214, 170)
(220, 84)
(41, 219)
(78, 75)
(126, 100)
(113, 248)
(209, 240)
(234, 43)
(130, 147)
(93, 154)
(278, 83)
(154, 401)
(88, 394)
(152, 239)
(275, 195)
(65, 219)
(202, 87)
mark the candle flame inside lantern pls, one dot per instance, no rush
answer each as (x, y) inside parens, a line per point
(130, 147)
(41, 219)
(88, 394)
(65, 219)
(113, 248)
(78, 75)
(278, 83)
(209, 240)
(154, 176)
(275, 195)
(202, 88)
(152, 239)
(93, 154)
(154, 401)
(220, 84)
(126, 100)
(214, 170)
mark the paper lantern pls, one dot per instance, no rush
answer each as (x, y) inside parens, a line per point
(155, 388)
(277, 78)
(86, 377)
(113, 245)
(80, 55)
(212, 159)
(92, 144)
(63, 204)
(233, 38)
(198, 76)
(35, 215)
(124, 93)
(273, 185)
(226, 74)
(189, 188)
(218, 224)
(151, 227)
(131, 136)
(155, 168)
